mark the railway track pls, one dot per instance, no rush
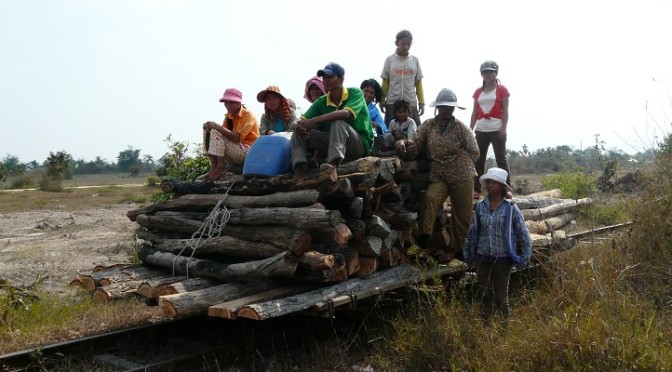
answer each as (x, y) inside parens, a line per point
(176, 343)
(194, 344)
(209, 344)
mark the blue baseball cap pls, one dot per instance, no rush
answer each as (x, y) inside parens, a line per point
(331, 69)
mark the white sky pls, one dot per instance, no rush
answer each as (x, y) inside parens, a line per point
(92, 77)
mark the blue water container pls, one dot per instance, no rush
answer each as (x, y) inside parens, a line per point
(269, 156)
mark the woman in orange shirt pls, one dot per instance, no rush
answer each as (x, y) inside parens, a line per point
(229, 143)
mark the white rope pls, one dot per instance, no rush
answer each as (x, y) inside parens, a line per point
(211, 228)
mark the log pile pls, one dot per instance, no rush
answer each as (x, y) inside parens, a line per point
(330, 226)
(294, 244)
(546, 213)
(339, 233)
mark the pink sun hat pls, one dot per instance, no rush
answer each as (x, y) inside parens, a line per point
(232, 95)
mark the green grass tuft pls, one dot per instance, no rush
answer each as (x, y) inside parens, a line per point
(573, 185)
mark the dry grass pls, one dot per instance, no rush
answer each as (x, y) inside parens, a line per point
(31, 323)
(72, 199)
(584, 315)
(106, 179)
(604, 305)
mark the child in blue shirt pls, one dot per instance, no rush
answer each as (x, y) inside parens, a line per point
(372, 93)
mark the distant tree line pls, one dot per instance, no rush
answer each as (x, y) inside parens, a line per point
(181, 163)
(566, 159)
(61, 165)
(128, 161)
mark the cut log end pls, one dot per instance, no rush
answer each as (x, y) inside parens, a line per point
(145, 290)
(167, 308)
(87, 283)
(100, 295)
(249, 313)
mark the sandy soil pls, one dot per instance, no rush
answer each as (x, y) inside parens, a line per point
(56, 245)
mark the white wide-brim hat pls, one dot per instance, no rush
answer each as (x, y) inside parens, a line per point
(497, 175)
(446, 97)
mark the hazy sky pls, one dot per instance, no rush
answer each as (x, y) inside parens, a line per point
(93, 77)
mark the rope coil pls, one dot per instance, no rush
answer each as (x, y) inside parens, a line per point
(211, 228)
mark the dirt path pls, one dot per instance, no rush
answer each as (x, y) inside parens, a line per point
(56, 244)
(79, 187)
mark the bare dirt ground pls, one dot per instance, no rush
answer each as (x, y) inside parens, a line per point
(54, 245)
(48, 237)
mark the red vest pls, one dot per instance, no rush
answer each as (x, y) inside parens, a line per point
(498, 109)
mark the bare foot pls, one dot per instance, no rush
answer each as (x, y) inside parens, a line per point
(215, 174)
(300, 169)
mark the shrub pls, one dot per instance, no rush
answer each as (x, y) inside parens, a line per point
(58, 166)
(606, 181)
(608, 212)
(153, 181)
(177, 164)
(23, 181)
(521, 187)
(133, 198)
(573, 185)
(649, 242)
(135, 170)
(190, 168)
(158, 197)
(50, 184)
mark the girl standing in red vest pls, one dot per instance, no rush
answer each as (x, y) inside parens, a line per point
(489, 120)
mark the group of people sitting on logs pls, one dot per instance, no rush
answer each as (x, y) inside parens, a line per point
(340, 125)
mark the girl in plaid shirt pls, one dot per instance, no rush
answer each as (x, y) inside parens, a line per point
(497, 240)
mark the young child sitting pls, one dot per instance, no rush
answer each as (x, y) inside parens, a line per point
(401, 129)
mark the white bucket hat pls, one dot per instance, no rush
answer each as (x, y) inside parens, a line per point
(446, 97)
(497, 175)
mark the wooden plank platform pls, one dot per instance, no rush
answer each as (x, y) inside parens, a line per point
(326, 299)
(262, 299)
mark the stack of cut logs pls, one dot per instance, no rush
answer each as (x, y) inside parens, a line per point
(286, 237)
(546, 213)
(327, 227)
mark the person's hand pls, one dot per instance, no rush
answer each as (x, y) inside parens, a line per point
(421, 110)
(208, 125)
(502, 133)
(303, 127)
(270, 132)
(400, 148)
(302, 131)
(382, 107)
